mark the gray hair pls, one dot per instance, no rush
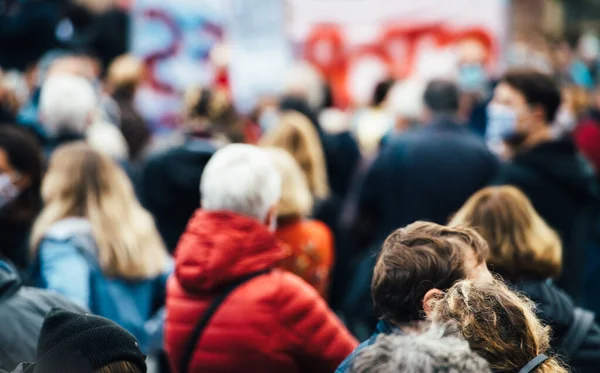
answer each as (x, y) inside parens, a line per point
(437, 350)
(67, 103)
(243, 179)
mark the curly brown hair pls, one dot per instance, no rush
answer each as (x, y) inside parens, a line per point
(499, 324)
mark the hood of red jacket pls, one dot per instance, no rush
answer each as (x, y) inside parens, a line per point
(219, 247)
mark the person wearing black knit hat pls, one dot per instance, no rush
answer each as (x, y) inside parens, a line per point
(83, 343)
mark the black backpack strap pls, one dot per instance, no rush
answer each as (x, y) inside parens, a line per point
(583, 321)
(190, 347)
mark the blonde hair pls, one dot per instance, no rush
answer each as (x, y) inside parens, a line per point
(81, 182)
(296, 134)
(296, 200)
(125, 73)
(499, 325)
(521, 243)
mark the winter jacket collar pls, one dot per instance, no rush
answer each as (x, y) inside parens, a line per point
(219, 247)
(10, 282)
(383, 327)
(446, 123)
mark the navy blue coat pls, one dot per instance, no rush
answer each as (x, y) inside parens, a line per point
(425, 174)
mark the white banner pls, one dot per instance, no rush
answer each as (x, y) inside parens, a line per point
(353, 41)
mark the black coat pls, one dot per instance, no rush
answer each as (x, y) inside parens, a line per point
(556, 308)
(559, 183)
(170, 187)
(425, 174)
(22, 311)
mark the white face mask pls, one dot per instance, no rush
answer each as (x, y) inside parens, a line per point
(8, 191)
(502, 122)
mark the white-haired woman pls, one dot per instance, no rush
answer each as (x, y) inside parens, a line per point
(95, 244)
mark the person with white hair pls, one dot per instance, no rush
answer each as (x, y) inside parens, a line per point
(228, 305)
(69, 112)
(437, 349)
(405, 102)
(67, 104)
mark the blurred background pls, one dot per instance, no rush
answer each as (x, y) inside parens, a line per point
(256, 49)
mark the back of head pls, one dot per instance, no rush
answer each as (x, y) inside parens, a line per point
(442, 97)
(83, 343)
(416, 259)
(296, 134)
(82, 182)
(67, 103)
(435, 350)
(405, 99)
(521, 243)
(381, 92)
(124, 76)
(211, 111)
(538, 88)
(242, 179)
(296, 200)
(304, 82)
(499, 325)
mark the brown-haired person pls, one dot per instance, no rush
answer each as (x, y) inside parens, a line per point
(83, 343)
(551, 172)
(528, 254)
(499, 325)
(415, 262)
(125, 75)
(21, 169)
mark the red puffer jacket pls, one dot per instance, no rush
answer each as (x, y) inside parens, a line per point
(273, 323)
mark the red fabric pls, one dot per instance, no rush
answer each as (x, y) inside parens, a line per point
(311, 244)
(273, 323)
(587, 138)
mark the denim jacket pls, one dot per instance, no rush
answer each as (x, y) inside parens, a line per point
(67, 262)
(383, 327)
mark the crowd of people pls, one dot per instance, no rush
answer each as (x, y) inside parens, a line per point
(411, 235)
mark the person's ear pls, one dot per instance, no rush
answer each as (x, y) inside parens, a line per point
(428, 299)
(271, 219)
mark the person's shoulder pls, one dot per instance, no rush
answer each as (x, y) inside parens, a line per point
(292, 287)
(36, 302)
(315, 227)
(511, 173)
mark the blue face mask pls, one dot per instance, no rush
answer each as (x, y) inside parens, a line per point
(501, 122)
(472, 77)
(8, 191)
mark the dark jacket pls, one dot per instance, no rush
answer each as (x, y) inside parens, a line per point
(170, 186)
(133, 127)
(556, 308)
(27, 30)
(22, 311)
(14, 241)
(559, 183)
(425, 174)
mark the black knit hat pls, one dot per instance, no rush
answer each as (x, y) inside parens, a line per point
(75, 342)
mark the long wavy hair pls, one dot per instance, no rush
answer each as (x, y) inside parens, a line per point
(296, 134)
(499, 324)
(81, 182)
(521, 243)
